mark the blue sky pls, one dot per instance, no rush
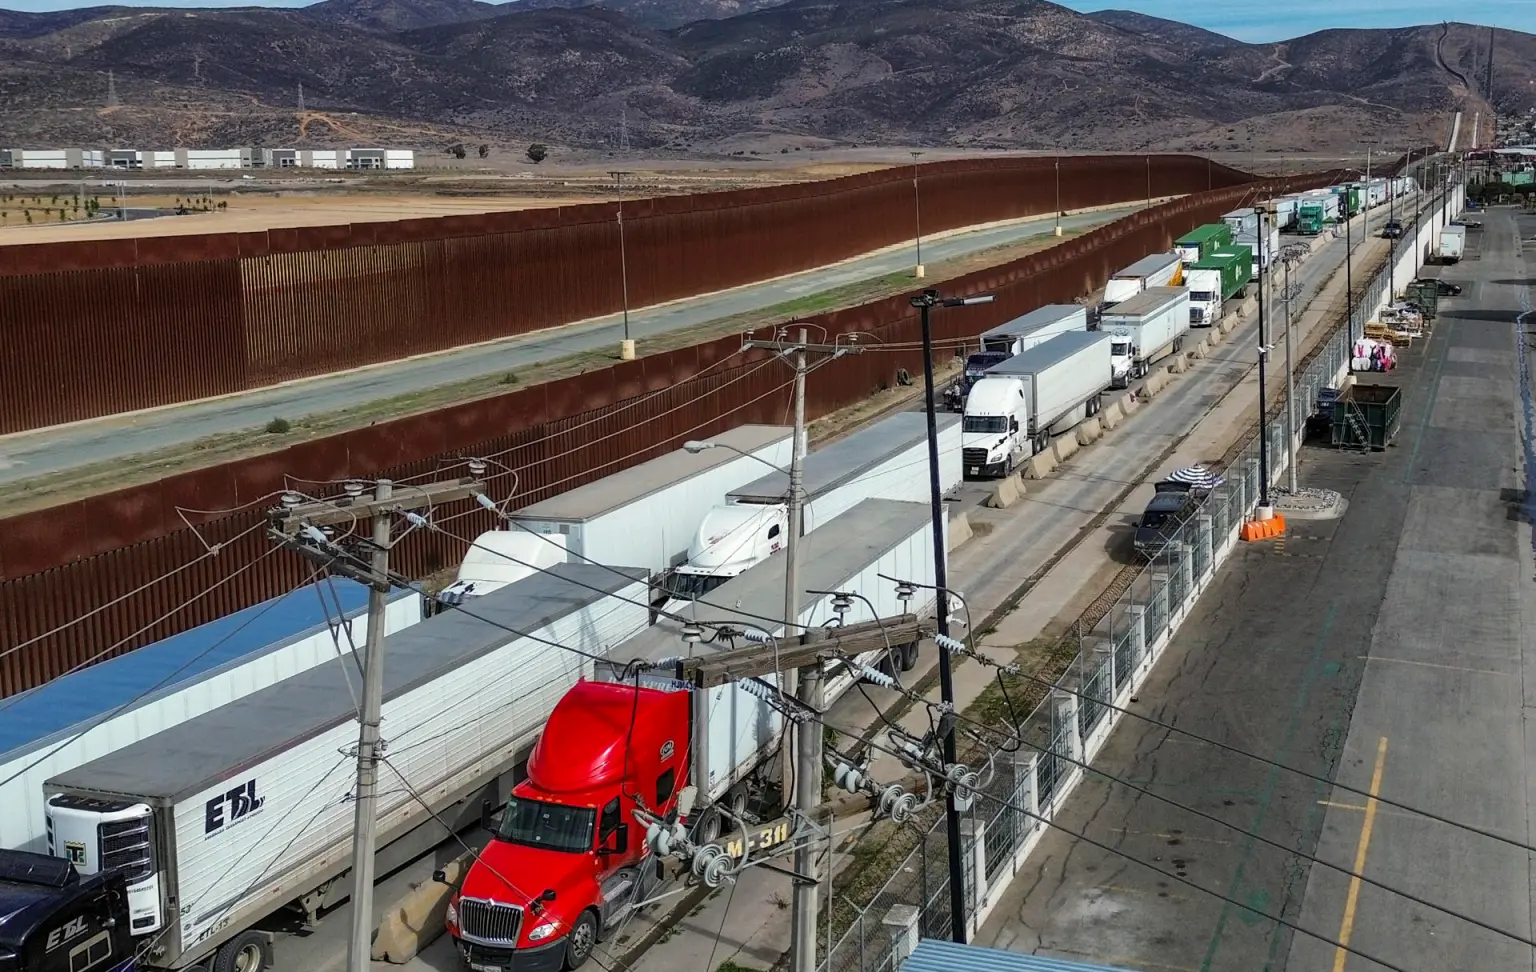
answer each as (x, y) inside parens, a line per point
(1249, 20)
(1257, 20)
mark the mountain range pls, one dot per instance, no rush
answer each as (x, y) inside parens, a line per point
(740, 76)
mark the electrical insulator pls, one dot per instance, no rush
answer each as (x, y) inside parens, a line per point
(905, 591)
(703, 855)
(353, 487)
(291, 499)
(692, 633)
(952, 645)
(897, 804)
(850, 778)
(876, 676)
(841, 604)
(963, 783)
(477, 468)
(666, 662)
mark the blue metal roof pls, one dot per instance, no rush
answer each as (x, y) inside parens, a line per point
(156, 669)
(932, 955)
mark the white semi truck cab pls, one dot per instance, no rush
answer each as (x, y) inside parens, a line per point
(995, 424)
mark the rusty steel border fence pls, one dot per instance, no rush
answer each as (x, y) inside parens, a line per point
(135, 563)
(103, 327)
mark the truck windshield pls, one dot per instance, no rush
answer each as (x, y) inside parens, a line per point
(984, 423)
(1119, 349)
(691, 587)
(549, 826)
(1200, 296)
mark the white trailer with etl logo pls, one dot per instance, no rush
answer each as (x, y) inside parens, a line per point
(246, 810)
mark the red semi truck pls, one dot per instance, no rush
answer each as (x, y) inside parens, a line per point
(569, 828)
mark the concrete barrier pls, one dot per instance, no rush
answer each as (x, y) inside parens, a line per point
(417, 920)
(1201, 350)
(1040, 465)
(1088, 433)
(1008, 492)
(959, 528)
(1156, 382)
(1129, 404)
(1111, 416)
(1178, 365)
(1064, 448)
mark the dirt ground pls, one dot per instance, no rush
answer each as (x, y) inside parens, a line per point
(241, 212)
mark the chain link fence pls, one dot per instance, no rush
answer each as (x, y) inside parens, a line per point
(1022, 790)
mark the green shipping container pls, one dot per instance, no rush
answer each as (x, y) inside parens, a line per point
(1427, 295)
(1367, 416)
(1236, 266)
(1204, 239)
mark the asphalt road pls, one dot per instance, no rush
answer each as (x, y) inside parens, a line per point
(30, 454)
(1382, 650)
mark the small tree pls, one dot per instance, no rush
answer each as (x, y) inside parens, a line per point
(484, 150)
(28, 214)
(538, 152)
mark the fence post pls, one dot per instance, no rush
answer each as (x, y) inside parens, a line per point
(1185, 565)
(973, 837)
(901, 922)
(1137, 614)
(1066, 715)
(1205, 536)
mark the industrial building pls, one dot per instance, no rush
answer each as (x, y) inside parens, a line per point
(230, 158)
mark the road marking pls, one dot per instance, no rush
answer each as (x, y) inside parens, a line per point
(1423, 664)
(1347, 926)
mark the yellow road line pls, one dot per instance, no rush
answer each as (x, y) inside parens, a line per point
(1448, 668)
(1347, 927)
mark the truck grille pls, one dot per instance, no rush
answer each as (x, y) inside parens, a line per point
(125, 844)
(488, 922)
(973, 457)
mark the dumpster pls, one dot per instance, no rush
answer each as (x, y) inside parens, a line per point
(1426, 295)
(1367, 416)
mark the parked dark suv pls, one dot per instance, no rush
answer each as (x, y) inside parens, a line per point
(1165, 514)
(1392, 230)
(1442, 288)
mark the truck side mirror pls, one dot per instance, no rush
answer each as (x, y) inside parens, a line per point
(1013, 424)
(618, 841)
(487, 818)
(440, 876)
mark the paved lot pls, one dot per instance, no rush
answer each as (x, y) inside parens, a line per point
(1381, 650)
(25, 455)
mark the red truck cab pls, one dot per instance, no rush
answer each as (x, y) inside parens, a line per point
(568, 861)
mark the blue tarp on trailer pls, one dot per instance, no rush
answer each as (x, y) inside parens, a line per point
(155, 669)
(932, 955)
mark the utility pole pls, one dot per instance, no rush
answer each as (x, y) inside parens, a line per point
(803, 761)
(1349, 265)
(301, 525)
(1264, 507)
(917, 215)
(925, 302)
(626, 346)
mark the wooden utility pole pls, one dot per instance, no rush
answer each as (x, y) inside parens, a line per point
(302, 525)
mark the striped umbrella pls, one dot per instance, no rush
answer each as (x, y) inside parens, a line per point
(1197, 477)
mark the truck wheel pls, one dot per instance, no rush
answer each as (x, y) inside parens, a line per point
(248, 951)
(578, 944)
(909, 657)
(707, 830)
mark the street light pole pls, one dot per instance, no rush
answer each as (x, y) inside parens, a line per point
(1287, 256)
(626, 346)
(917, 216)
(924, 302)
(1058, 196)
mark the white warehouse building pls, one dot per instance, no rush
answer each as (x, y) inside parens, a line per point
(230, 158)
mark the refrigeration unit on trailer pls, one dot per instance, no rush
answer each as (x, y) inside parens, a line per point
(1260, 257)
(1157, 270)
(1013, 412)
(98, 710)
(569, 862)
(244, 811)
(887, 460)
(1242, 221)
(1285, 212)
(648, 515)
(1195, 244)
(1040, 324)
(1146, 329)
(1215, 280)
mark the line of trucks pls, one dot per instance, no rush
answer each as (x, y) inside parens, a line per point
(177, 850)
